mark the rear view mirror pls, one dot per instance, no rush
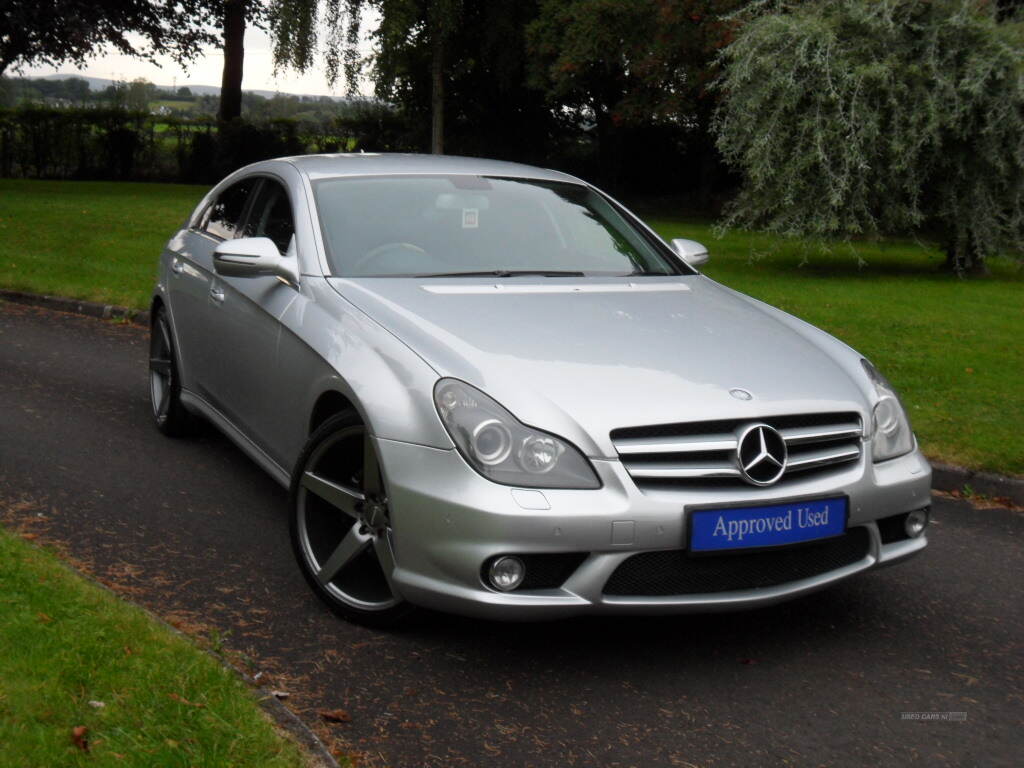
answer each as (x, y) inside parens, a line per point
(692, 252)
(254, 257)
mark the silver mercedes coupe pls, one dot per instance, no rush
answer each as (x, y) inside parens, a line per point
(493, 390)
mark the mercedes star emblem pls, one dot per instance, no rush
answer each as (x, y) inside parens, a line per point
(761, 454)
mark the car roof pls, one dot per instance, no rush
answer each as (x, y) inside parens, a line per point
(384, 164)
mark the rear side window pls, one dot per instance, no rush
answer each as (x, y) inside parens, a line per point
(223, 218)
(272, 216)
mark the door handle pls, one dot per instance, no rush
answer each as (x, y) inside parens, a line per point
(217, 293)
(176, 266)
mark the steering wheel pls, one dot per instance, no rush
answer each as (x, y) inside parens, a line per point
(381, 250)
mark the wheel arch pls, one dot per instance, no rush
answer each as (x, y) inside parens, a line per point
(155, 305)
(329, 403)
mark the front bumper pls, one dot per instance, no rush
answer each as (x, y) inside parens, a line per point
(448, 521)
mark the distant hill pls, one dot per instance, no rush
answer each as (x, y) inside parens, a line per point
(99, 83)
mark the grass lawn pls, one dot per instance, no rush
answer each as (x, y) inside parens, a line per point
(65, 643)
(954, 348)
(88, 240)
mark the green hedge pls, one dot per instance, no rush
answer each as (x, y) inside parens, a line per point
(116, 144)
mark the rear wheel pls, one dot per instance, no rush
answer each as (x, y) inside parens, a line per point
(164, 385)
(340, 524)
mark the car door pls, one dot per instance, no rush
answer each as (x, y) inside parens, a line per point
(244, 327)
(191, 278)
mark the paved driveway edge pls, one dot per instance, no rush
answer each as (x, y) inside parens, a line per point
(77, 306)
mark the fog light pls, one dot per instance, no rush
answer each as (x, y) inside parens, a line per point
(916, 522)
(506, 573)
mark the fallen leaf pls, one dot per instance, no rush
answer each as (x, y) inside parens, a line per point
(78, 737)
(335, 715)
(97, 704)
(280, 694)
(183, 700)
(966, 678)
(44, 618)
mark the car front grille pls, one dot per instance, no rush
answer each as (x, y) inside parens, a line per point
(674, 572)
(704, 453)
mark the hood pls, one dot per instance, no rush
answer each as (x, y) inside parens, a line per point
(582, 357)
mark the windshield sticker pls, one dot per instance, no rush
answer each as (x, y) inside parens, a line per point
(470, 218)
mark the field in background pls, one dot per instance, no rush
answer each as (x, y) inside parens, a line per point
(953, 348)
(76, 657)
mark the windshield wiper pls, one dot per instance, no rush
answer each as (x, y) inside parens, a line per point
(508, 273)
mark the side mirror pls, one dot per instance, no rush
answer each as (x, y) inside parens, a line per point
(692, 252)
(254, 257)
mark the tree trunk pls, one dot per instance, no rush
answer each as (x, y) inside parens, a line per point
(436, 81)
(965, 258)
(234, 53)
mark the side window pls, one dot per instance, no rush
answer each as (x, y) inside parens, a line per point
(272, 216)
(224, 216)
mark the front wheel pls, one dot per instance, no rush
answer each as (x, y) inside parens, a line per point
(164, 386)
(341, 527)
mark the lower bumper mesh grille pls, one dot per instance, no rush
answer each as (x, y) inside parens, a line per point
(674, 572)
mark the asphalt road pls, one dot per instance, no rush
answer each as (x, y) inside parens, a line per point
(193, 530)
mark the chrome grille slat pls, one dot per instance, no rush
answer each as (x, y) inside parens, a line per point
(687, 455)
(679, 471)
(687, 444)
(799, 435)
(821, 458)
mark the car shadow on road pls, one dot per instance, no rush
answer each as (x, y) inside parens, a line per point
(839, 616)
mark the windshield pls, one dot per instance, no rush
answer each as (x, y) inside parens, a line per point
(443, 226)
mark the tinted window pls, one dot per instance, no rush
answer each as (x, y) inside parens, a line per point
(224, 216)
(272, 216)
(429, 225)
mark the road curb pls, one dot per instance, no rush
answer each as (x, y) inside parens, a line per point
(945, 477)
(285, 718)
(78, 307)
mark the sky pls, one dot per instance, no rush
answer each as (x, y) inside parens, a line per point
(258, 73)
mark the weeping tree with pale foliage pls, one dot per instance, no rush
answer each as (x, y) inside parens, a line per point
(858, 118)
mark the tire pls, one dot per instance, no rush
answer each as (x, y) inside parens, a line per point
(169, 414)
(340, 528)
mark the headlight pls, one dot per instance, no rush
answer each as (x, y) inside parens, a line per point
(892, 434)
(504, 450)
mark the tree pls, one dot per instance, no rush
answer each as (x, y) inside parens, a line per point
(139, 93)
(404, 24)
(77, 90)
(60, 31)
(296, 29)
(865, 117)
(623, 65)
(234, 15)
(457, 71)
(299, 28)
